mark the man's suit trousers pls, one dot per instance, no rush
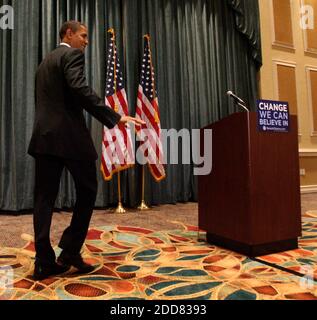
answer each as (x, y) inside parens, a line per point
(47, 180)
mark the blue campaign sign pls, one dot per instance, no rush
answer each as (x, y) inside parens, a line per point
(273, 116)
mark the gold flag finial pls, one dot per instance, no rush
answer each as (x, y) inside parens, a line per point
(147, 36)
(111, 31)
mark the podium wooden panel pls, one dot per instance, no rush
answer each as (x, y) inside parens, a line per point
(250, 203)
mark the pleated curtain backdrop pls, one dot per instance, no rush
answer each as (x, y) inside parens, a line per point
(201, 49)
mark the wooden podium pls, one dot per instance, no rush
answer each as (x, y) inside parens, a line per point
(250, 203)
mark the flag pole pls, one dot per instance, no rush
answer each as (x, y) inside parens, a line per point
(120, 209)
(143, 205)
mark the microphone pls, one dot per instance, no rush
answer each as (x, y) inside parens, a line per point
(232, 95)
(238, 100)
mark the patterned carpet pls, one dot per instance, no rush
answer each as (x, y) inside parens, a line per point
(304, 259)
(135, 263)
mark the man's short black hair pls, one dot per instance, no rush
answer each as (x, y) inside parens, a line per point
(73, 25)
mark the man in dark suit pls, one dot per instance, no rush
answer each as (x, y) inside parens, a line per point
(61, 140)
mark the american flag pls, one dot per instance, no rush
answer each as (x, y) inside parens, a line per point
(148, 111)
(117, 147)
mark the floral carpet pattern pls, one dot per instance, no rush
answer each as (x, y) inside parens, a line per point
(304, 259)
(136, 263)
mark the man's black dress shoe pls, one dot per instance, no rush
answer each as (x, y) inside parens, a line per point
(42, 272)
(76, 261)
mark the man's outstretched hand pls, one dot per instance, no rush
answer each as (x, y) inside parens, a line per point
(126, 119)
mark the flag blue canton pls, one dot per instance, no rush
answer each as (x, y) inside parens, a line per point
(147, 74)
(114, 73)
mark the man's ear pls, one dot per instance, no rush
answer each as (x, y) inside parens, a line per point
(69, 33)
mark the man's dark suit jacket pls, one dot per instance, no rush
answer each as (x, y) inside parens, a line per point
(61, 95)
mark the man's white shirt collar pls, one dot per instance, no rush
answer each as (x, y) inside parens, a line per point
(65, 44)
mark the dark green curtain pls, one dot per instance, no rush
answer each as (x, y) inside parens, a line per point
(201, 49)
(18, 63)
